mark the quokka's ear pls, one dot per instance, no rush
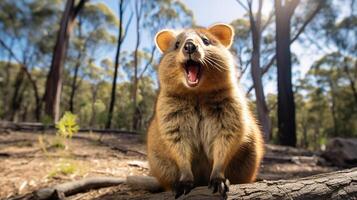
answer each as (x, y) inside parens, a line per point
(164, 38)
(223, 32)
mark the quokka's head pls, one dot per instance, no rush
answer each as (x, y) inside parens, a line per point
(196, 59)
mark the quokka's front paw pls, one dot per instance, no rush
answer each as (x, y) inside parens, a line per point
(219, 184)
(182, 187)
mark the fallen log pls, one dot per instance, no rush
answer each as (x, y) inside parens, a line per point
(334, 185)
(38, 126)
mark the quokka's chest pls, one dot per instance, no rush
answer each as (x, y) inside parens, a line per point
(195, 117)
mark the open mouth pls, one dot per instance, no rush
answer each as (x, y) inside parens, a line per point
(193, 72)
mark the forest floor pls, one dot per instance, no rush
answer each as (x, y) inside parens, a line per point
(30, 161)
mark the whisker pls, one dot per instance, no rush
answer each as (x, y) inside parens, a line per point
(203, 62)
(212, 63)
(216, 62)
(221, 63)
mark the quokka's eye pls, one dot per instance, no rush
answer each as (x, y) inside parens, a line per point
(206, 41)
(177, 44)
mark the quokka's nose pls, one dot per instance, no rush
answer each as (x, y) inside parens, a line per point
(190, 47)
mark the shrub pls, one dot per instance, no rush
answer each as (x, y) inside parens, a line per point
(67, 125)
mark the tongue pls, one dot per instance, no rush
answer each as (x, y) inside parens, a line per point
(192, 73)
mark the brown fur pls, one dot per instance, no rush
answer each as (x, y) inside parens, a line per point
(204, 132)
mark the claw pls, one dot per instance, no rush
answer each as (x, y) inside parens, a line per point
(182, 187)
(220, 185)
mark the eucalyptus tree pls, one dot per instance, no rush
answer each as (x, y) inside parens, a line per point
(52, 94)
(284, 12)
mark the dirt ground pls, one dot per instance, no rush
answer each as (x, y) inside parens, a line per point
(30, 161)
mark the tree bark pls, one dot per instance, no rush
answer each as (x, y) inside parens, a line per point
(334, 185)
(54, 78)
(286, 104)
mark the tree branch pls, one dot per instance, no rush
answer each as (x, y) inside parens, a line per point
(270, 17)
(127, 27)
(149, 61)
(245, 67)
(307, 21)
(243, 6)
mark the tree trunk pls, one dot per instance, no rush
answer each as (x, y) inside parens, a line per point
(15, 100)
(316, 136)
(286, 104)
(54, 78)
(304, 130)
(76, 68)
(334, 185)
(333, 108)
(94, 112)
(117, 57)
(25, 113)
(74, 85)
(7, 88)
(351, 80)
(136, 112)
(37, 100)
(262, 108)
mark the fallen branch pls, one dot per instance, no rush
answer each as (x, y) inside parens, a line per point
(70, 188)
(126, 150)
(64, 190)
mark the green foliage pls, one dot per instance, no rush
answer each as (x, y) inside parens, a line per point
(64, 167)
(67, 125)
